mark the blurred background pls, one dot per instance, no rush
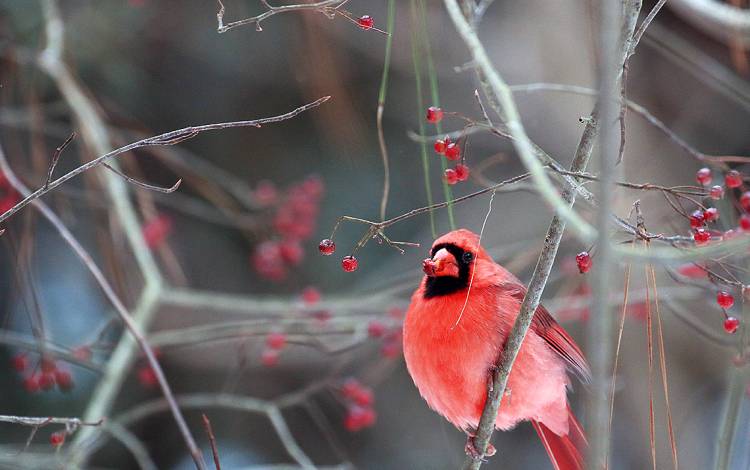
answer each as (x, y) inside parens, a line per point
(296, 362)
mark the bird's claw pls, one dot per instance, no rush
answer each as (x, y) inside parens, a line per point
(471, 449)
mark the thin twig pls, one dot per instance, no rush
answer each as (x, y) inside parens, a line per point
(212, 440)
(167, 138)
(56, 157)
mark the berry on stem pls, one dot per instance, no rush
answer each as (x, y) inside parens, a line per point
(19, 362)
(375, 329)
(716, 193)
(731, 324)
(745, 200)
(47, 381)
(365, 22)
(452, 151)
(451, 177)
(711, 214)
(701, 236)
(276, 340)
(31, 384)
(697, 219)
(64, 380)
(733, 179)
(462, 172)
(440, 146)
(745, 222)
(703, 176)
(57, 438)
(725, 300)
(434, 114)
(584, 262)
(269, 358)
(326, 247)
(349, 263)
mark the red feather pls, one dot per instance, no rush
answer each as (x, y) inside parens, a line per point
(454, 332)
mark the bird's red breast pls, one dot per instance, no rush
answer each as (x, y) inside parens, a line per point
(455, 328)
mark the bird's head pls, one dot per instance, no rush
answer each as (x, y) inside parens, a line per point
(451, 263)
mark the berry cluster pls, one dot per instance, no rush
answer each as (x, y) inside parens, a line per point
(44, 376)
(698, 219)
(449, 149)
(359, 400)
(293, 223)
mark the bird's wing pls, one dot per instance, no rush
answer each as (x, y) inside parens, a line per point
(556, 337)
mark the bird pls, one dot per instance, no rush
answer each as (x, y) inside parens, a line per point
(454, 331)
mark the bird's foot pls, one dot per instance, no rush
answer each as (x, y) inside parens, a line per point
(472, 451)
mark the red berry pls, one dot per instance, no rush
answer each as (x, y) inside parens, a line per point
(19, 362)
(269, 358)
(265, 193)
(462, 172)
(440, 146)
(276, 340)
(350, 387)
(47, 381)
(584, 262)
(701, 236)
(375, 329)
(451, 177)
(64, 380)
(326, 247)
(691, 270)
(31, 384)
(703, 176)
(358, 418)
(697, 219)
(745, 222)
(711, 214)
(268, 261)
(716, 193)
(731, 324)
(725, 300)
(434, 114)
(57, 438)
(452, 151)
(363, 397)
(349, 264)
(156, 230)
(310, 295)
(147, 377)
(391, 349)
(366, 22)
(47, 365)
(733, 179)
(745, 200)
(291, 252)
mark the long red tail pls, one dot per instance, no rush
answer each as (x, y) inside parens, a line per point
(565, 452)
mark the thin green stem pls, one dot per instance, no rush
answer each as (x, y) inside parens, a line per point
(420, 110)
(435, 96)
(381, 107)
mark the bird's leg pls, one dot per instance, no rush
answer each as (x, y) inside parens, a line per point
(471, 449)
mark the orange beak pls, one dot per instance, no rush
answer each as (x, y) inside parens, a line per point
(442, 264)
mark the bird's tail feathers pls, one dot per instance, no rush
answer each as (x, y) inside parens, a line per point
(565, 452)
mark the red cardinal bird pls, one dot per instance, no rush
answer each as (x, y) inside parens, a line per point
(456, 326)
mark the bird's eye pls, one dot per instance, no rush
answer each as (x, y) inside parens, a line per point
(468, 257)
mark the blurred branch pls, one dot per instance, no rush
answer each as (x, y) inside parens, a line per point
(43, 421)
(720, 20)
